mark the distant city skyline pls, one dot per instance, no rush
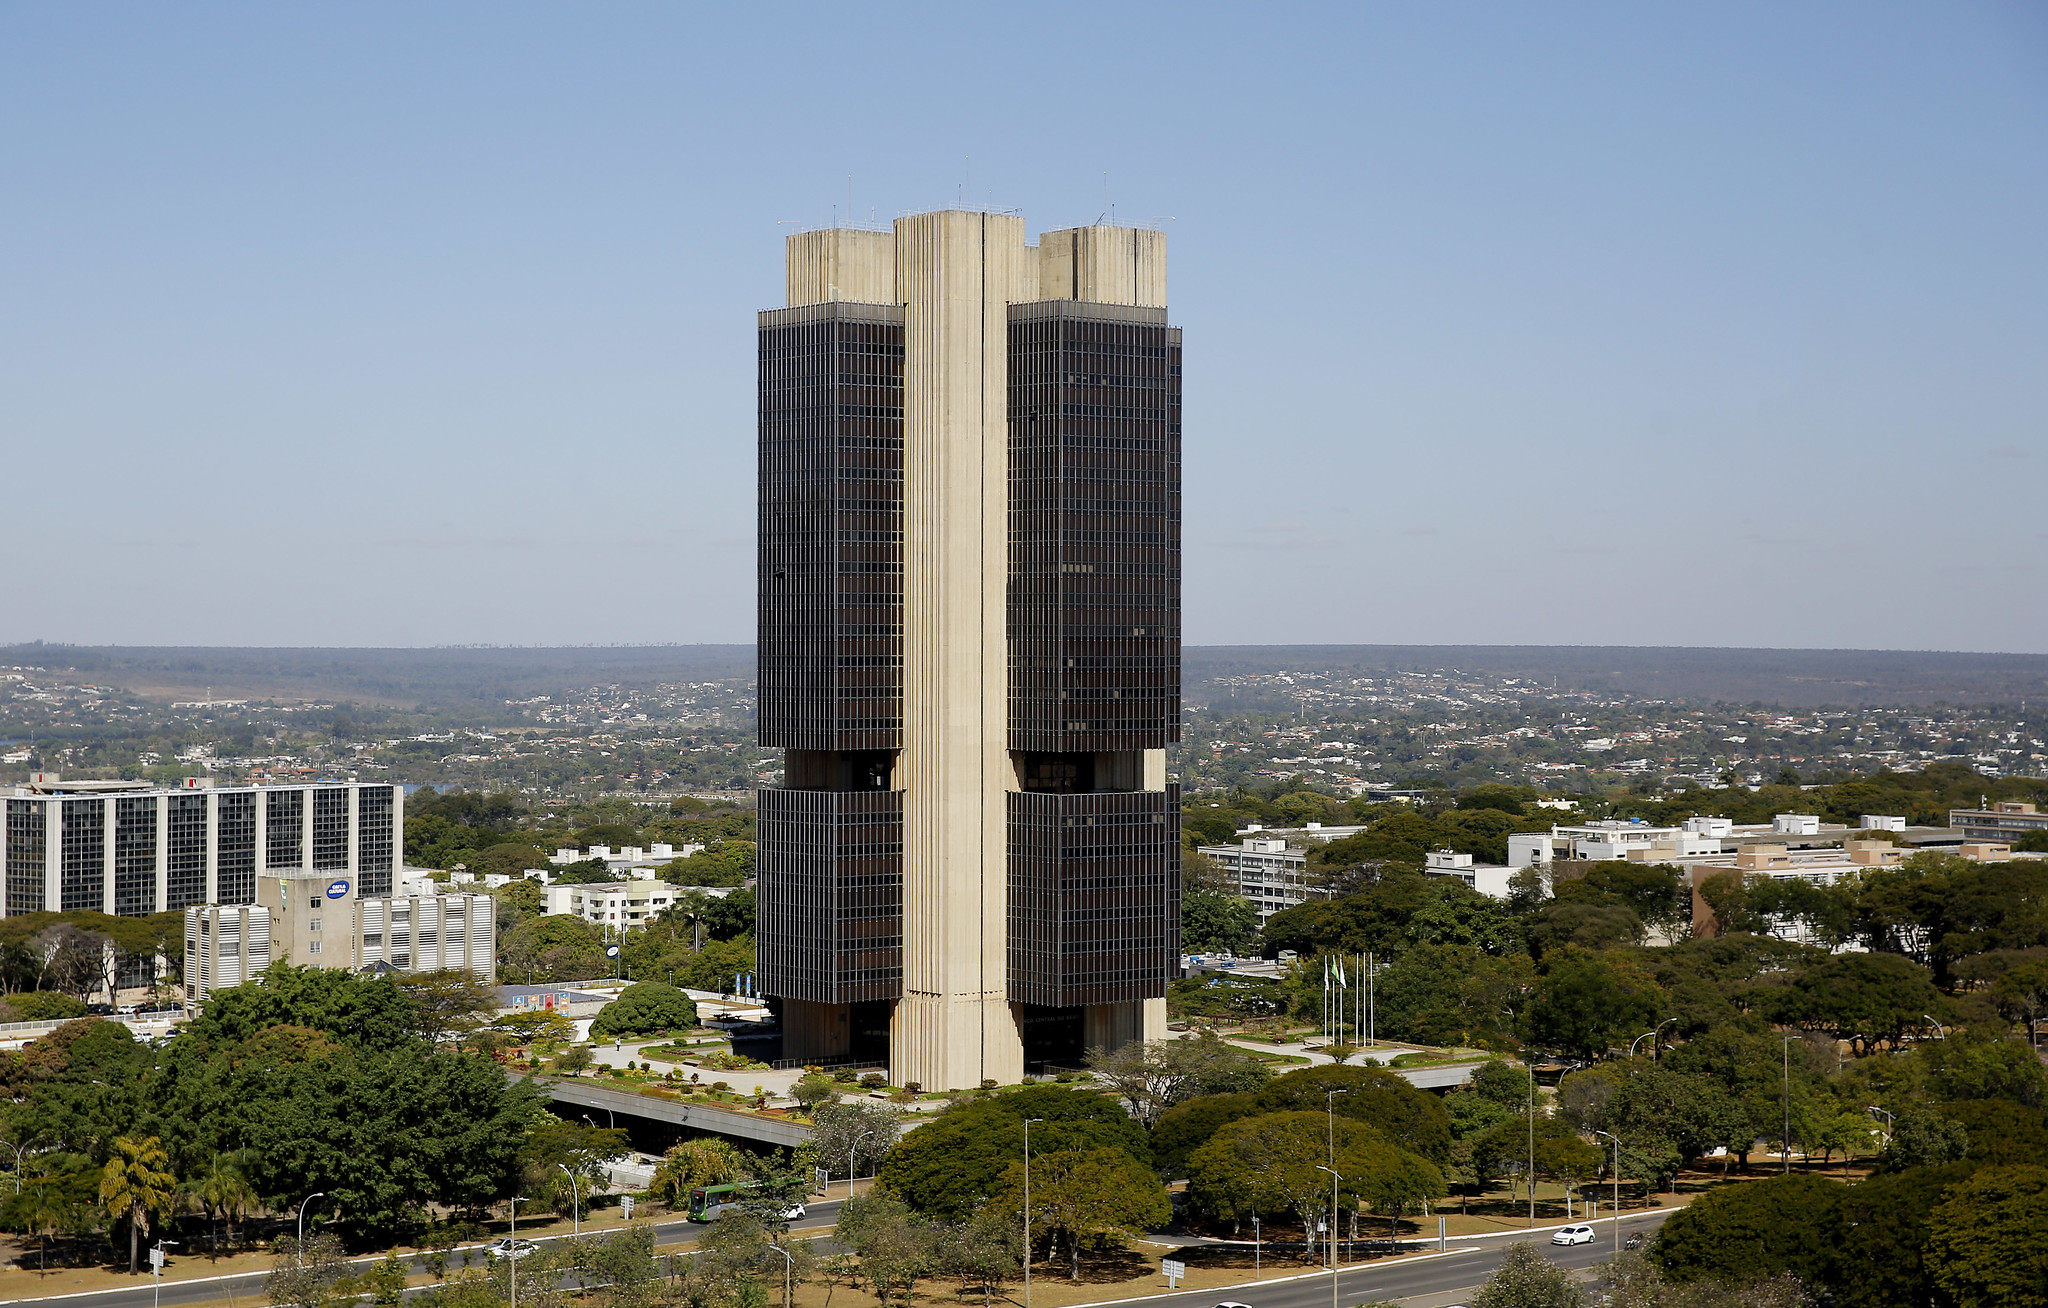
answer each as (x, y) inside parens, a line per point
(1594, 326)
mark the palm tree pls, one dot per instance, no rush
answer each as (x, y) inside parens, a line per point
(136, 1185)
(693, 1163)
(42, 1208)
(225, 1189)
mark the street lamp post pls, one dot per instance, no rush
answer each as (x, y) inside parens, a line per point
(512, 1254)
(855, 1147)
(156, 1272)
(575, 1200)
(788, 1266)
(1617, 1190)
(301, 1250)
(1334, 1178)
(1939, 1029)
(1651, 1036)
(1027, 1208)
(1785, 1049)
(1255, 1247)
(1532, 1145)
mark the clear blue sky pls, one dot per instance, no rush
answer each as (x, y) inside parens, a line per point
(424, 324)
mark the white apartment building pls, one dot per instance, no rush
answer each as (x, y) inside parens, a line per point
(1610, 840)
(320, 921)
(1266, 870)
(134, 848)
(623, 905)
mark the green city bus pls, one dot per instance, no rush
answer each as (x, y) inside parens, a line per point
(704, 1198)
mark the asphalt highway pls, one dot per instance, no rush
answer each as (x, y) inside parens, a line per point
(818, 1218)
(1464, 1267)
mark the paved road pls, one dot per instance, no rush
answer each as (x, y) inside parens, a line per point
(1464, 1268)
(818, 1219)
(1468, 1264)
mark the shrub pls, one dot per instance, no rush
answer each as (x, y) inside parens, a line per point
(642, 1009)
(873, 1081)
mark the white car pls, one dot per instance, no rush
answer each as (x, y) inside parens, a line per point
(510, 1248)
(1573, 1235)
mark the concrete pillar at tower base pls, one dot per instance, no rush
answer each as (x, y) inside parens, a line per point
(813, 1031)
(945, 1042)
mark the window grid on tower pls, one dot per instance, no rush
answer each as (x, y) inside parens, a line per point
(830, 568)
(135, 838)
(235, 848)
(330, 830)
(1094, 895)
(27, 846)
(82, 869)
(374, 839)
(830, 917)
(284, 816)
(1094, 527)
(185, 852)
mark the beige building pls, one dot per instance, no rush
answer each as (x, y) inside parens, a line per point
(969, 645)
(318, 921)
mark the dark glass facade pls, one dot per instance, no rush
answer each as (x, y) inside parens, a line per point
(831, 528)
(28, 836)
(330, 830)
(829, 875)
(373, 840)
(185, 860)
(1094, 896)
(284, 828)
(830, 893)
(234, 865)
(82, 866)
(135, 838)
(1094, 589)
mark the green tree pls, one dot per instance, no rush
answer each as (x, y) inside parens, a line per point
(1655, 1108)
(693, 1163)
(1878, 1245)
(1411, 1118)
(859, 1132)
(1526, 1279)
(309, 1273)
(1155, 1075)
(1213, 921)
(225, 1190)
(46, 1204)
(1984, 1241)
(946, 1167)
(1587, 1003)
(1861, 998)
(644, 1008)
(1272, 1163)
(1760, 1228)
(1921, 1137)
(1081, 1195)
(136, 1187)
(985, 1250)
(897, 1246)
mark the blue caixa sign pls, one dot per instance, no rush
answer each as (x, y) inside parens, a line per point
(337, 889)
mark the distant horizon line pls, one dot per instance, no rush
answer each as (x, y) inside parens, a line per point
(1266, 645)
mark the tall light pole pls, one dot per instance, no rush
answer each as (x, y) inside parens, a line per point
(1027, 1208)
(1891, 1120)
(1532, 1146)
(1939, 1029)
(1617, 1191)
(1334, 1178)
(512, 1254)
(156, 1272)
(1255, 1246)
(855, 1146)
(301, 1250)
(575, 1200)
(788, 1266)
(1785, 1049)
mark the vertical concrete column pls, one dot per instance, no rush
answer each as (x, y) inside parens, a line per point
(956, 273)
(212, 846)
(53, 854)
(109, 858)
(163, 851)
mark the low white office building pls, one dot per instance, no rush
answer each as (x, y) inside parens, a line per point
(1266, 869)
(623, 905)
(320, 921)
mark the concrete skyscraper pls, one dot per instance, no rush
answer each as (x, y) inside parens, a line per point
(969, 645)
